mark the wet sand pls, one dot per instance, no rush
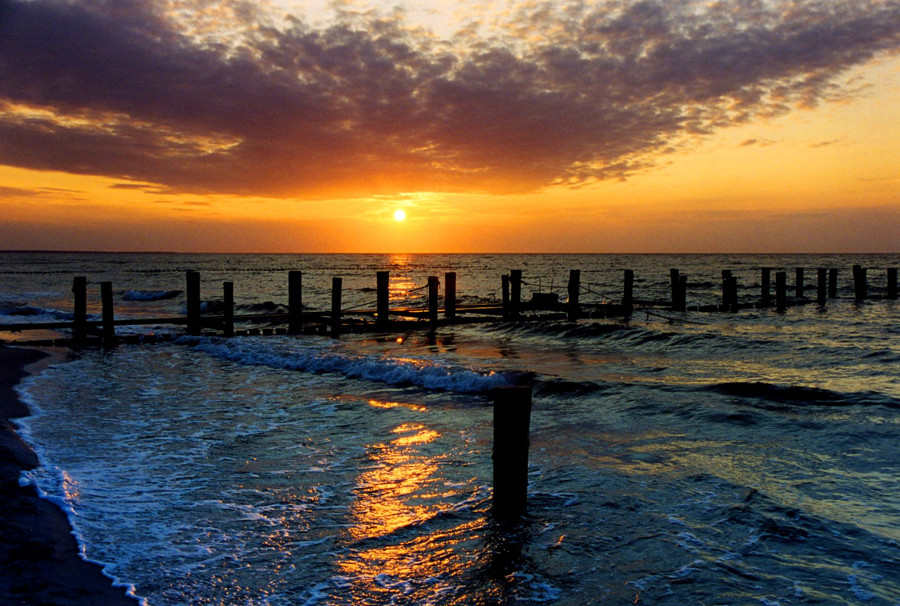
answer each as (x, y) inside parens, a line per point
(39, 558)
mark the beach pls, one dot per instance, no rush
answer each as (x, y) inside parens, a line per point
(39, 557)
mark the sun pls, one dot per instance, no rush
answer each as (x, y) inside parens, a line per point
(399, 214)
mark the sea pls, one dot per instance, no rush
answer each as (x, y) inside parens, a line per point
(748, 457)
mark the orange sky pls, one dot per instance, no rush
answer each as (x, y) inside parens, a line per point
(625, 127)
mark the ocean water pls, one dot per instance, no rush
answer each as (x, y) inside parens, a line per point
(677, 458)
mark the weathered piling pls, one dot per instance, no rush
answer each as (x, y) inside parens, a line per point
(79, 321)
(108, 314)
(798, 284)
(679, 290)
(574, 289)
(194, 325)
(628, 294)
(780, 291)
(860, 286)
(336, 287)
(228, 309)
(891, 282)
(515, 293)
(450, 295)
(729, 291)
(822, 286)
(295, 302)
(433, 286)
(832, 282)
(383, 298)
(504, 296)
(732, 293)
(512, 418)
(765, 294)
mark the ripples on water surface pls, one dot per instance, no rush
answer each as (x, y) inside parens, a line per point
(746, 459)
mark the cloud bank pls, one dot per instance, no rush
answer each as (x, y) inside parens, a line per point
(198, 99)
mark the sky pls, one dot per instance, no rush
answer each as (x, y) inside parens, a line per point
(496, 126)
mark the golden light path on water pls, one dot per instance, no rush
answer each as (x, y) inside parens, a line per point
(401, 488)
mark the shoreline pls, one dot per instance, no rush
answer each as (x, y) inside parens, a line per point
(40, 560)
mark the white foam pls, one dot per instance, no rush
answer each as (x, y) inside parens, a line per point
(422, 372)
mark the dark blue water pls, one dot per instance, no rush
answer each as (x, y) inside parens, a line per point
(694, 458)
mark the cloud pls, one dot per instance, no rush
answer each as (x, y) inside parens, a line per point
(217, 98)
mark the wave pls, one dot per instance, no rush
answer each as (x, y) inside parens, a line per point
(421, 372)
(150, 295)
(801, 395)
(11, 314)
(266, 307)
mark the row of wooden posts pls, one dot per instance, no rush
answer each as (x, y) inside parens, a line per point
(511, 307)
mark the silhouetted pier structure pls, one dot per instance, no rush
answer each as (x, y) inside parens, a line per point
(441, 310)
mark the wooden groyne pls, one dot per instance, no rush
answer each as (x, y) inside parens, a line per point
(441, 310)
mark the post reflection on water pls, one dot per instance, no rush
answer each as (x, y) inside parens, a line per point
(404, 540)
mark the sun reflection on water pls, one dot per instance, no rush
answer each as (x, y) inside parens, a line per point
(399, 542)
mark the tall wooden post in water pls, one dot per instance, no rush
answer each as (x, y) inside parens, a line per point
(679, 290)
(295, 302)
(892, 283)
(628, 294)
(574, 290)
(193, 303)
(765, 295)
(832, 282)
(780, 291)
(799, 285)
(228, 311)
(450, 295)
(383, 298)
(512, 418)
(860, 286)
(822, 286)
(336, 286)
(106, 302)
(79, 320)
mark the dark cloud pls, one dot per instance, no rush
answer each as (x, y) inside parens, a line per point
(563, 92)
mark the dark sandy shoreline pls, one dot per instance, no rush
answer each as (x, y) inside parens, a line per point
(39, 558)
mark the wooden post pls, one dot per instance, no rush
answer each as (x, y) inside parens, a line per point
(765, 296)
(832, 283)
(512, 417)
(731, 283)
(382, 287)
(336, 285)
(675, 277)
(822, 286)
(106, 301)
(628, 296)
(433, 286)
(450, 295)
(860, 287)
(574, 290)
(515, 293)
(79, 321)
(228, 312)
(726, 289)
(504, 301)
(780, 291)
(193, 303)
(799, 285)
(892, 283)
(295, 302)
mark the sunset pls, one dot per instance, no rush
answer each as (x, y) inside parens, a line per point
(545, 127)
(449, 303)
